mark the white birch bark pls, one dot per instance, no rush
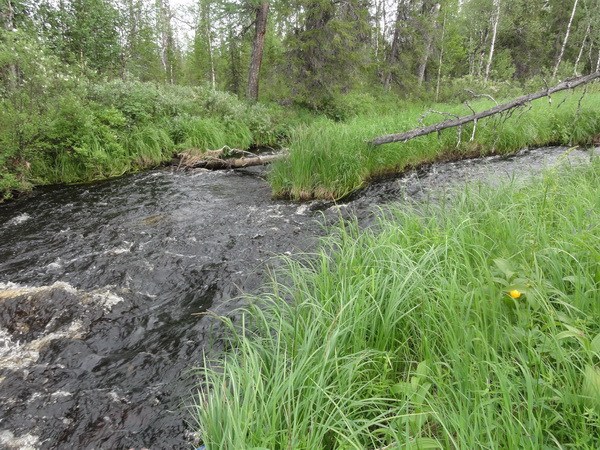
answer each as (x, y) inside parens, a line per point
(587, 33)
(488, 67)
(213, 78)
(564, 45)
(9, 25)
(439, 74)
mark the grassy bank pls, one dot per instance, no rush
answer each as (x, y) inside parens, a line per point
(68, 130)
(330, 159)
(407, 336)
(76, 131)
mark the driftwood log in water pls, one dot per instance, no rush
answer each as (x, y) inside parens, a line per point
(217, 160)
(520, 101)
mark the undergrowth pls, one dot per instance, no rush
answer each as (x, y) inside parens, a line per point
(474, 324)
(330, 159)
(76, 131)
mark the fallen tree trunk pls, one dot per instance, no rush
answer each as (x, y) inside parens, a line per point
(215, 163)
(520, 101)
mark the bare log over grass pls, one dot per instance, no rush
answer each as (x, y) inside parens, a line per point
(214, 160)
(520, 101)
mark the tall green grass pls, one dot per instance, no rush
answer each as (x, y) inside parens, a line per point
(330, 159)
(405, 336)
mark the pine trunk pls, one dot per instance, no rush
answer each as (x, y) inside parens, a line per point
(262, 13)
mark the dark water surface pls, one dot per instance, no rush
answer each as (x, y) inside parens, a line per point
(100, 286)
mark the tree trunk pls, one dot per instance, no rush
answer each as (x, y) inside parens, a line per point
(393, 56)
(9, 25)
(167, 40)
(598, 62)
(564, 45)
(439, 74)
(377, 28)
(520, 101)
(493, 43)
(235, 83)
(215, 161)
(428, 44)
(262, 12)
(587, 33)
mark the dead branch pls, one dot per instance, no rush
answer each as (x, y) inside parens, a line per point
(520, 101)
(475, 95)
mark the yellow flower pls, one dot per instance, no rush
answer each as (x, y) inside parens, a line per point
(515, 294)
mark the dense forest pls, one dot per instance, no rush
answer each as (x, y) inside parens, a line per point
(313, 51)
(95, 88)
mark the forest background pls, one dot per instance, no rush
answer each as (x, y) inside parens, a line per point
(96, 88)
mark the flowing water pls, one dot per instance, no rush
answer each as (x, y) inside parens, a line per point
(101, 287)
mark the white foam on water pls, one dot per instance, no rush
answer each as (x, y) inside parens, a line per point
(125, 248)
(56, 265)
(9, 285)
(61, 394)
(18, 220)
(25, 442)
(106, 299)
(102, 297)
(301, 210)
(15, 355)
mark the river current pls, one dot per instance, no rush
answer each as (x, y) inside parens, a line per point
(103, 286)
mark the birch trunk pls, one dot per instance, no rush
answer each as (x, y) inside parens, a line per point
(211, 59)
(488, 67)
(262, 12)
(167, 41)
(587, 33)
(439, 74)
(520, 101)
(564, 45)
(9, 25)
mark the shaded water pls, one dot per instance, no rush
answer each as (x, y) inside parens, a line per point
(100, 286)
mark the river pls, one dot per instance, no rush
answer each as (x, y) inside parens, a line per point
(102, 286)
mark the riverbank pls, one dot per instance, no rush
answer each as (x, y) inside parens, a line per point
(104, 130)
(330, 159)
(78, 131)
(463, 324)
(102, 285)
